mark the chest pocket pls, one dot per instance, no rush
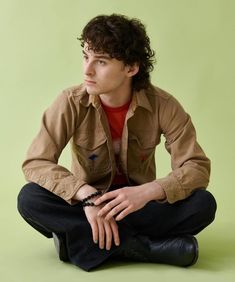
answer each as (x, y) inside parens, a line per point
(141, 151)
(92, 151)
(146, 141)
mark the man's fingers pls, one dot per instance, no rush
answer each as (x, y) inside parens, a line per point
(115, 232)
(108, 207)
(101, 233)
(116, 210)
(108, 235)
(105, 234)
(123, 214)
(95, 232)
(105, 197)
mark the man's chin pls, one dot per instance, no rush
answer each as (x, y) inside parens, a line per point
(92, 91)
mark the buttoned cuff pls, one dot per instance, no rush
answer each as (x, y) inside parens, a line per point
(172, 188)
(63, 188)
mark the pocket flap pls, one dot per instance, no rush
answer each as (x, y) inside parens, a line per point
(146, 141)
(89, 142)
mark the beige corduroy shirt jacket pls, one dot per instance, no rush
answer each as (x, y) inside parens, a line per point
(78, 117)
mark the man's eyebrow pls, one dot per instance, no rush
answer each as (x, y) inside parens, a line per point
(99, 56)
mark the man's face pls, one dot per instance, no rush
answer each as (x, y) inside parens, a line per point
(103, 74)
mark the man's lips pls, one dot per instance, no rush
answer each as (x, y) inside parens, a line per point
(90, 81)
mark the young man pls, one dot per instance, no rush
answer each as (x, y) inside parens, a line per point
(111, 204)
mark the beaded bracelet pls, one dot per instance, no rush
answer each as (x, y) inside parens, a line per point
(87, 204)
(91, 196)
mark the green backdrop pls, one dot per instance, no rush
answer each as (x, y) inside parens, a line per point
(40, 56)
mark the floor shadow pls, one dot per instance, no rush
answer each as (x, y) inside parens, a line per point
(217, 251)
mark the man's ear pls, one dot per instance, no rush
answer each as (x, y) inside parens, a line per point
(132, 70)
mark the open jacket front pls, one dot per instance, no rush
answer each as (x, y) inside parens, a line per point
(78, 117)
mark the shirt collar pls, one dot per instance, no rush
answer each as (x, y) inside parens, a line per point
(88, 100)
(139, 99)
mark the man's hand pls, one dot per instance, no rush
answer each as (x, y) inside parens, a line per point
(124, 201)
(103, 231)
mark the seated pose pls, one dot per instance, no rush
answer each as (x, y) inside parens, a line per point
(111, 205)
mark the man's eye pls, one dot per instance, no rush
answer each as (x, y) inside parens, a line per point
(101, 62)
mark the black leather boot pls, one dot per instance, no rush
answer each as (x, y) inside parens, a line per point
(60, 245)
(180, 251)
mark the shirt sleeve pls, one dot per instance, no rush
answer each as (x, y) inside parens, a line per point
(41, 165)
(190, 166)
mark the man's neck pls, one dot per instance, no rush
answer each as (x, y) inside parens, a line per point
(116, 99)
(113, 102)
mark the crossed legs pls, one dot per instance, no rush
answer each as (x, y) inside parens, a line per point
(48, 214)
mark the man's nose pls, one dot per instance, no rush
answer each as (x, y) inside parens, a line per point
(89, 69)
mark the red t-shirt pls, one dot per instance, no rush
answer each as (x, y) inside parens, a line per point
(116, 118)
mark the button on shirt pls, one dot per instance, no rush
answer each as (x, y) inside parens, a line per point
(78, 117)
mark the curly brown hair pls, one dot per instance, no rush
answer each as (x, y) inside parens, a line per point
(123, 39)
